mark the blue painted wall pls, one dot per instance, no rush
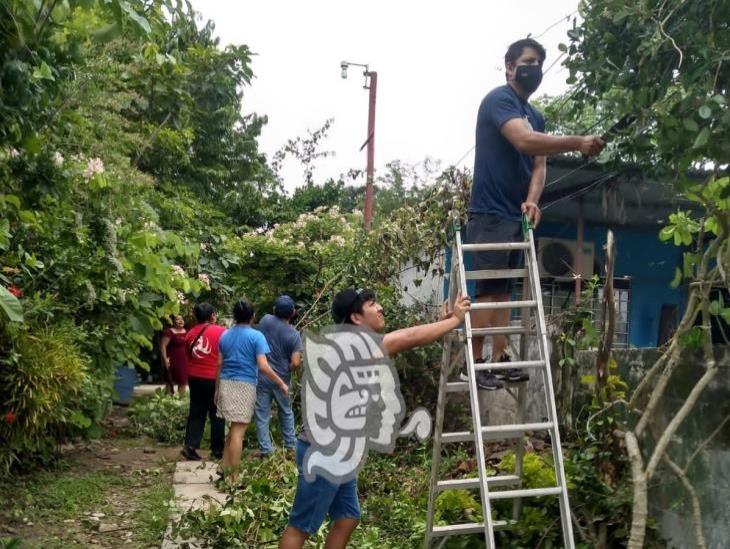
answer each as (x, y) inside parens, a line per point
(649, 262)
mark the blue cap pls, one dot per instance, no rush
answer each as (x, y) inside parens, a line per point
(284, 306)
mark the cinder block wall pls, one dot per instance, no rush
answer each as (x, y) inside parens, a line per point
(710, 472)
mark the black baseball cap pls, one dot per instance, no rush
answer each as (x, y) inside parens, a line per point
(349, 301)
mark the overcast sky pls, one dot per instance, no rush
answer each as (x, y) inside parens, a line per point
(435, 61)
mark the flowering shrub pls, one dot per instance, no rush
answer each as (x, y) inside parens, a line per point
(94, 167)
(120, 206)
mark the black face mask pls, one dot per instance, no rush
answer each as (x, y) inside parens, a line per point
(528, 77)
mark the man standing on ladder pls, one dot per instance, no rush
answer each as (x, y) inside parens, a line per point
(509, 176)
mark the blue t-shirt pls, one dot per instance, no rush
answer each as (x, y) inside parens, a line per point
(240, 346)
(501, 172)
(283, 341)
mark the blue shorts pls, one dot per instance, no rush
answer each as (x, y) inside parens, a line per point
(315, 500)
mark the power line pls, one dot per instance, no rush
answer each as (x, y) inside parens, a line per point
(467, 153)
(564, 18)
(554, 62)
(571, 172)
(584, 190)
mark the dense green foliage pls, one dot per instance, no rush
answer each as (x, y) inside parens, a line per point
(161, 416)
(654, 76)
(131, 186)
(393, 491)
(48, 390)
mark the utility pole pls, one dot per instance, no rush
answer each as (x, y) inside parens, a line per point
(368, 215)
(371, 84)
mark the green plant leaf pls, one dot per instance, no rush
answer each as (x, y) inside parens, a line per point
(702, 138)
(677, 280)
(141, 21)
(43, 72)
(690, 125)
(666, 233)
(705, 112)
(11, 305)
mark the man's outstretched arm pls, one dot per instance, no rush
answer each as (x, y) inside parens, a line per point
(535, 143)
(423, 334)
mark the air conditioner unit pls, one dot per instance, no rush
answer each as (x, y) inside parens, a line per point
(556, 258)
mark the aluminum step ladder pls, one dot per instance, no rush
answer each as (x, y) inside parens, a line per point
(457, 350)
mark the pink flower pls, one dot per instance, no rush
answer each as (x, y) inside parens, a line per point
(95, 166)
(204, 278)
(337, 239)
(58, 159)
(181, 299)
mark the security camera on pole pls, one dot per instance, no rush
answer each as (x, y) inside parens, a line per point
(371, 83)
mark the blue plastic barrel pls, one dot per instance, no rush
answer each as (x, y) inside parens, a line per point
(124, 381)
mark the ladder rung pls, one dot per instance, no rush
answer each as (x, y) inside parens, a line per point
(503, 305)
(526, 493)
(497, 432)
(469, 528)
(492, 274)
(502, 330)
(466, 483)
(495, 246)
(518, 427)
(526, 364)
(457, 387)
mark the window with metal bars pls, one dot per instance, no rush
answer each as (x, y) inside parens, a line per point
(558, 295)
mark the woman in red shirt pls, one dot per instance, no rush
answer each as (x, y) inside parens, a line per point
(202, 351)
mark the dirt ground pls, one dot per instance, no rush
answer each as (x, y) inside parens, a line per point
(112, 492)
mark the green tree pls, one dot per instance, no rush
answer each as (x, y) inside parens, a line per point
(656, 74)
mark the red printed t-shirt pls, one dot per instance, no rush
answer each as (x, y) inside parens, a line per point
(204, 360)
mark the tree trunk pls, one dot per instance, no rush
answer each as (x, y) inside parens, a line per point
(640, 506)
(608, 321)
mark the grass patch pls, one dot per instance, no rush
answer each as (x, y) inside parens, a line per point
(58, 494)
(153, 513)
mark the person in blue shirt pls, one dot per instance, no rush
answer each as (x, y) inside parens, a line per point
(285, 356)
(316, 500)
(509, 176)
(242, 353)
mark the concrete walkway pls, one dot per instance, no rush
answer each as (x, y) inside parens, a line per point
(194, 489)
(193, 485)
(147, 388)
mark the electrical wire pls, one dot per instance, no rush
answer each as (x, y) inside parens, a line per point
(571, 172)
(467, 153)
(554, 63)
(584, 190)
(551, 26)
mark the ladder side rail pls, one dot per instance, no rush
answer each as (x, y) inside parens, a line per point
(565, 517)
(527, 294)
(446, 367)
(475, 410)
